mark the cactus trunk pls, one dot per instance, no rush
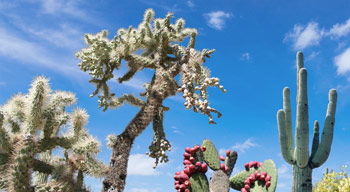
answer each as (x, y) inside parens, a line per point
(302, 179)
(115, 178)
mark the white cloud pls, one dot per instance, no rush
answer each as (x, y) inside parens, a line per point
(54, 7)
(242, 147)
(140, 164)
(2, 84)
(312, 55)
(32, 53)
(303, 37)
(342, 62)
(245, 57)
(217, 19)
(190, 4)
(339, 30)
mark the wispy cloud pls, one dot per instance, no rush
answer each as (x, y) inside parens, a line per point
(2, 84)
(246, 57)
(304, 36)
(140, 164)
(243, 147)
(32, 53)
(176, 130)
(54, 7)
(342, 61)
(217, 19)
(190, 3)
(312, 55)
(340, 30)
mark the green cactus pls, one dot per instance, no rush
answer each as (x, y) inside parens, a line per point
(220, 181)
(299, 157)
(156, 44)
(30, 130)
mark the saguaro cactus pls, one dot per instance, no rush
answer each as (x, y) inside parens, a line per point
(299, 157)
(257, 177)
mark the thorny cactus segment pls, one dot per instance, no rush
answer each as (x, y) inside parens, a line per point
(26, 155)
(211, 155)
(298, 156)
(158, 40)
(257, 177)
(159, 144)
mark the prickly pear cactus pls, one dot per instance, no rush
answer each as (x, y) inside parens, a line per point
(257, 177)
(252, 179)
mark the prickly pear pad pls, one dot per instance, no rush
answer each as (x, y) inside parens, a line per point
(211, 155)
(270, 168)
(219, 182)
(237, 181)
(199, 182)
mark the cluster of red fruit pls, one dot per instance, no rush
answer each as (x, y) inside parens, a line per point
(182, 182)
(257, 176)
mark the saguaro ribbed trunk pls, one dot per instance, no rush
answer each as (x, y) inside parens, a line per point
(115, 179)
(302, 179)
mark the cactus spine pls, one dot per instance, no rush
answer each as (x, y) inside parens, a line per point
(299, 157)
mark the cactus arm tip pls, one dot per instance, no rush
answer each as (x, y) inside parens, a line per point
(286, 149)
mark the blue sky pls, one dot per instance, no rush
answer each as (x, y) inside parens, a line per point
(256, 42)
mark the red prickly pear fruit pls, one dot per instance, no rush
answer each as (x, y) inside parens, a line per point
(226, 168)
(257, 175)
(186, 162)
(222, 158)
(198, 164)
(252, 179)
(187, 190)
(228, 152)
(247, 187)
(177, 186)
(188, 150)
(177, 173)
(204, 167)
(268, 184)
(262, 177)
(177, 177)
(255, 164)
(222, 166)
(192, 168)
(251, 163)
(264, 173)
(196, 148)
(247, 181)
(246, 165)
(243, 190)
(179, 190)
(192, 159)
(268, 178)
(253, 176)
(203, 148)
(260, 164)
(187, 171)
(182, 186)
(187, 183)
(184, 176)
(256, 172)
(177, 182)
(187, 155)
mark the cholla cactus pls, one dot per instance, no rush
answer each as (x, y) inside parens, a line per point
(299, 157)
(154, 45)
(334, 181)
(30, 130)
(257, 177)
